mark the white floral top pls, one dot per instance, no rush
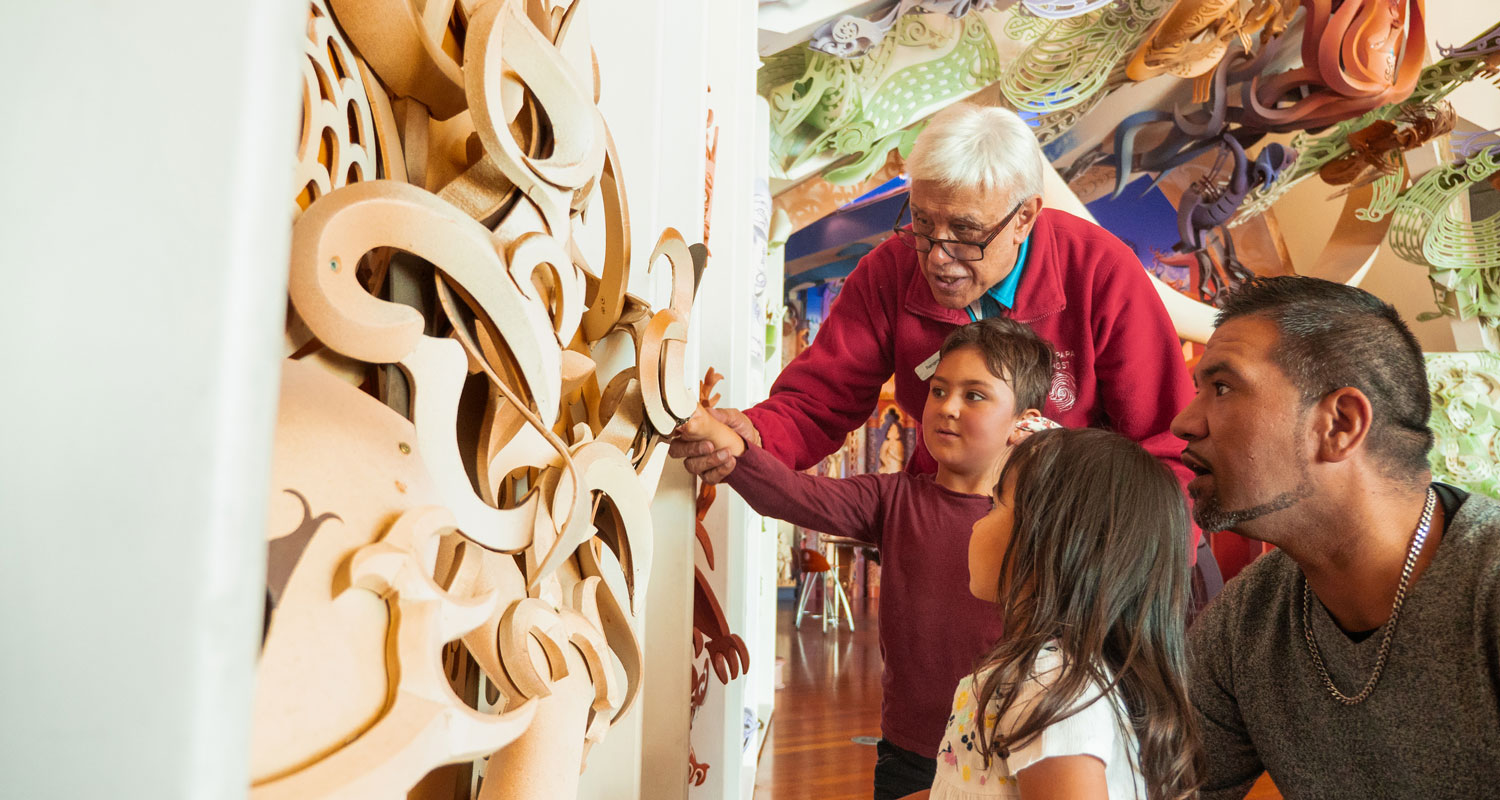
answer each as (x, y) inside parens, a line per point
(1096, 730)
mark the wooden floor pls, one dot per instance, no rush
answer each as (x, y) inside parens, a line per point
(832, 696)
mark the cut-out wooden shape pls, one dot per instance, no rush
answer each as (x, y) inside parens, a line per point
(437, 369)
(609, 296)
(331, 236)
(405, 48)
(578, 130)
(618, 624)
(384, 549)
(426, 725)
(338, 131)
(321, 679)
(605, 470)
(536, 252)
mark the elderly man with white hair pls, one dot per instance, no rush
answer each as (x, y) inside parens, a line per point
(979, 244)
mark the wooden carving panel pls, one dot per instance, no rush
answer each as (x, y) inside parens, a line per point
(460, 531)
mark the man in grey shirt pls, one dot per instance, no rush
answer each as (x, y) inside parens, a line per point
(1361, 659)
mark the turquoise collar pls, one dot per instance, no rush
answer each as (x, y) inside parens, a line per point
(1003, 293)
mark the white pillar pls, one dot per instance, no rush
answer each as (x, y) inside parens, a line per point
(145, 217)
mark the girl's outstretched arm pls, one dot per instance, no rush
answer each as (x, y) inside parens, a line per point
(1064, 778)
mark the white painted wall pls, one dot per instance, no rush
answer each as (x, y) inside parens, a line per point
(731, 332)
(652, 75)
(146, 215)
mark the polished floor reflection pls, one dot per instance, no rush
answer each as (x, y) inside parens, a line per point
(832, 697)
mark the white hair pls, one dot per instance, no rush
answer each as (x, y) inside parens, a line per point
(989, 147)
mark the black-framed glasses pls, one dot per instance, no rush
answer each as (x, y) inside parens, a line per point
(957, 249)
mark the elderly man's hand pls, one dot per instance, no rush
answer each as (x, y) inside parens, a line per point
(700, 455)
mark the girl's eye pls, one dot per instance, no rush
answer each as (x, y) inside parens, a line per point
(975, 397)
(1220, 389)
(936, 392)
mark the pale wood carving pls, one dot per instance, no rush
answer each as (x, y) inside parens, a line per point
(460, 530)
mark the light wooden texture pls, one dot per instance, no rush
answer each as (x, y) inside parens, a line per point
(456, 565)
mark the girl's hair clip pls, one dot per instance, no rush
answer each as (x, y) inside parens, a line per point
(1036, 424)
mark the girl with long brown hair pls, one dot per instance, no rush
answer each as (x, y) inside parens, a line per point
(1084, 696)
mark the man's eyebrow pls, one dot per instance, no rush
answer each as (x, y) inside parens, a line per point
(1214, 369)
(965, 219)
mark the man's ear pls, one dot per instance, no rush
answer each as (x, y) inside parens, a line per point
(1028, 214)
(1341, 422)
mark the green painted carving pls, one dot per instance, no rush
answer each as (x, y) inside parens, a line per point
(1463, 255)
(1466, 420)
(1069, 60)
(1387, 191)
(822, 104)
(1053, 124)
(1436, 82)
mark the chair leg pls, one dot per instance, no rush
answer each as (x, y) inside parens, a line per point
(827, 596)
(844, 599)
(802, 601)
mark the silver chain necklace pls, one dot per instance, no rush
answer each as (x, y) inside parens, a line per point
(1417, 539)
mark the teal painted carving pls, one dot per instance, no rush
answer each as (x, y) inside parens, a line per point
(1069, 60)
(1437, 81)
(1463, 256)
(1466, 420)
(824, 105)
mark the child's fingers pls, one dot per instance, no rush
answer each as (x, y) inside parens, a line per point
(694, 428)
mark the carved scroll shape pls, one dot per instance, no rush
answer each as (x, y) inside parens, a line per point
(1356, 57)
(404, 46)
(663, 347)
(426, 725)
(437, 368)
(1194, 36)
(329, 239)
(609, 295)
(577, 127)
(605, 470)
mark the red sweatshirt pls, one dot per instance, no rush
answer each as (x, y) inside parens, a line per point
(932, 630)
(1119, 365)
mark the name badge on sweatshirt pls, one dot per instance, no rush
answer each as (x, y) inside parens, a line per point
(927, 368)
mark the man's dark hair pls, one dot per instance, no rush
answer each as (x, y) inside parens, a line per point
(1014, 354)
(1332, 336)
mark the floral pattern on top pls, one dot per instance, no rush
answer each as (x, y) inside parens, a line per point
(1096, 729)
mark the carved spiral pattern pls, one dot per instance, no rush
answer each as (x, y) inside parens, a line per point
(338, 133)
(494, 540)
(1466, 420)
(1073, 58)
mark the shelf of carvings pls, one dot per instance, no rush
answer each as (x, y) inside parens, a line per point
(1466, 420)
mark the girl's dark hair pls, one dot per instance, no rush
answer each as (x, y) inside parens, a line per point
(1014, 353)
(1097, 563)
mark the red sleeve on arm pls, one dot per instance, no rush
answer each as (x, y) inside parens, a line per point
(1143, 380)
(832, 387)
(851, 507)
